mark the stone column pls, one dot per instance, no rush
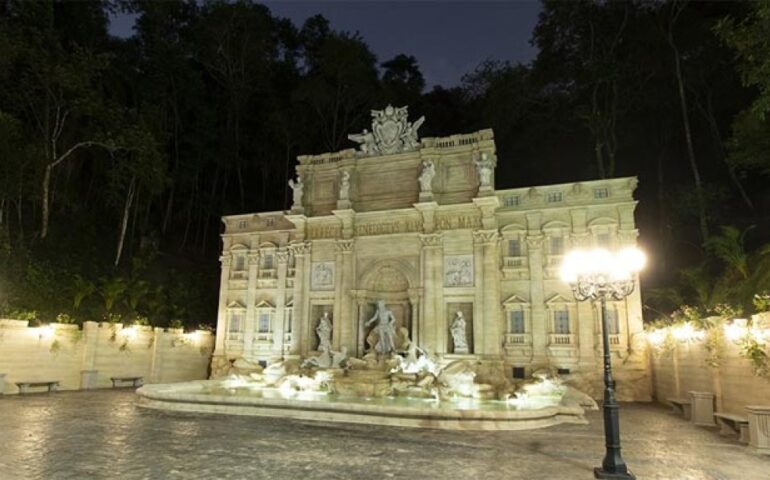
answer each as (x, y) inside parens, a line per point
(343, 331)
(301, 252)
(537, 300)
(359, 325)
(414, 304)
(279, 322)
(759, 428)
(251, 301)
(433, 284)
(224, 279)
(155, 363)
(702, 408)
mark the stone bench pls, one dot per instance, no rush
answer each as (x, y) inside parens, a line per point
(730, 424)
(25, 386)
(120, 381)
(680, 406)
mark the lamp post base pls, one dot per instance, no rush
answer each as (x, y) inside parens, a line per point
(599, 473)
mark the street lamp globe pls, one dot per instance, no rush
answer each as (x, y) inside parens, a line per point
(602, 275)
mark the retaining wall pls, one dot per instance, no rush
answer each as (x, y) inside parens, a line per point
(88, 357)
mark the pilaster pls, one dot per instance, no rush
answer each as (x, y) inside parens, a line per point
(224, 280)
(301, 252)
(537, 300)
(488, 284)
(343, 330)
(279, 321)
(251, 300)
(432, 280)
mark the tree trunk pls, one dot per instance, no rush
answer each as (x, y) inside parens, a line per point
(124, 223)
(701, 200)
(45, 206)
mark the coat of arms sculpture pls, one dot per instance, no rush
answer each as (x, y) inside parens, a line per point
(391, 132)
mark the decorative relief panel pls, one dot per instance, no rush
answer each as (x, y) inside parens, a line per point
(458, 271)
(322, 276)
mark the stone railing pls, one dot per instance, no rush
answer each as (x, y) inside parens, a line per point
(518, 339)
(561, 339)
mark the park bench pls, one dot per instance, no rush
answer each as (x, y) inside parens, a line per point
(25, 386)
(680, 406)
(730, 424)
(120, 381)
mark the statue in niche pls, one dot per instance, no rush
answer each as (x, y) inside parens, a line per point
(484, 170)
(385, 329)
(297, 189)
(426, 176)
(345, 186)
(457, 329)
(324, 332)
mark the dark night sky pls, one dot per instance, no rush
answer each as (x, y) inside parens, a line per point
(448, 38)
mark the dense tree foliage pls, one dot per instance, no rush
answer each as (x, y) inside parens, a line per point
(119, 156)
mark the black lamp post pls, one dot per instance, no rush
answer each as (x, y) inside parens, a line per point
(600, 275)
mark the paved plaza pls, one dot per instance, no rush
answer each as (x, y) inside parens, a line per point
(102, 434)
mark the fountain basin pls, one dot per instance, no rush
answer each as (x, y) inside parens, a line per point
(460, 414)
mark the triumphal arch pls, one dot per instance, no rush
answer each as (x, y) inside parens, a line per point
(467, 271)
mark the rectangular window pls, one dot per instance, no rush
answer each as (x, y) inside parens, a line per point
(561, 322)
(554, 197)
(236, 321)
(562, 371)
(268, 262)
(557, 245)
(601, 192)
(264, 322)
(289, 320)
(514, 248)
(512, 201)
(240, 263)
(242, 224)
(519, 372)
(517, 321)
(270, 222)
(613, 323)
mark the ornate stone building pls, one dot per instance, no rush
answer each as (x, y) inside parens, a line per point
(418, 224)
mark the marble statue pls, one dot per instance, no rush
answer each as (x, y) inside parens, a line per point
(297, 189)
(484, 170)
(345, 186)
(324, 332)
(426, 177)
(385, 329)
(328, 359)
(457, 329)
(391, 132)
(366, 142)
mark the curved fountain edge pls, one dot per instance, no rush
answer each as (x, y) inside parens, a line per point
(172, 397)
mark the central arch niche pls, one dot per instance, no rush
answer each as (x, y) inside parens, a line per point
(391, 281)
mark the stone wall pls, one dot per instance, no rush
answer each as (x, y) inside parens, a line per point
(683, 368)
(88, 357)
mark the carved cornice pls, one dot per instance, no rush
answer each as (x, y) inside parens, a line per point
(226, 260)
(628, 236)
(299, 248)
(282, 256)
(485, 236)
(580, 239)
(254, 258)
(432, 240)
(535, 241)
(345, 245)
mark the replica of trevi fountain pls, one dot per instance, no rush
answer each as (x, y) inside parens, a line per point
(402, 288)
(395, 383)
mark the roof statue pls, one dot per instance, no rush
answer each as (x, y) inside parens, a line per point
(391, 132)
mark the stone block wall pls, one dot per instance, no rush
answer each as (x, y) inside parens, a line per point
(88, 357)
(682, 369)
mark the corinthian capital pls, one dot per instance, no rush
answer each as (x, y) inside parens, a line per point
(432, 239)
(485, 236)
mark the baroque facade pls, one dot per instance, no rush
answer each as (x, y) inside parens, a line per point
(418, 224)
